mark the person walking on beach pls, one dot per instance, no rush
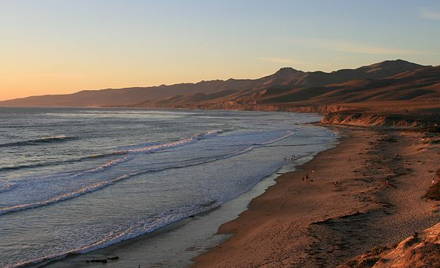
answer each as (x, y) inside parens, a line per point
(434, 180)
(436, 177)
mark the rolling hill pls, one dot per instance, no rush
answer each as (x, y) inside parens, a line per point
(287, 89)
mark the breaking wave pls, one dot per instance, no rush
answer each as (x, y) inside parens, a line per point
(38, 141)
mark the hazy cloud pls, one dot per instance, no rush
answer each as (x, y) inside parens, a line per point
(353, 47)
(430, 14)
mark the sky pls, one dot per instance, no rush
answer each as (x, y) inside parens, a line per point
(63, 46)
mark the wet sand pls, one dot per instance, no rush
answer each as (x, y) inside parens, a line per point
(366, 192)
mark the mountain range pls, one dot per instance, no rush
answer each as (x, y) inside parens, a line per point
(287, 89)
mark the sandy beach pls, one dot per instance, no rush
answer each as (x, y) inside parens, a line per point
(364, 193)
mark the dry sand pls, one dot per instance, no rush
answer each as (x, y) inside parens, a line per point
(364, 193)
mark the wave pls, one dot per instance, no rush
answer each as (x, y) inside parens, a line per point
(66, 196)
(144, 148)
(151, 224)
(288, 134)
(152, 148)
(89, 189)
(43, 164)
(61, 162)
(98, 186)
(134, 230)
(106, 165)
(38, 141)
(101, 185)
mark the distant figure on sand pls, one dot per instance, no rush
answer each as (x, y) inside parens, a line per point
(436, 177)
(306, 177)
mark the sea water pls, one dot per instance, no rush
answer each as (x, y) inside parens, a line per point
(75, 180)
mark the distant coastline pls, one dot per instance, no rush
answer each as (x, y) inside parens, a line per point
(393, 93)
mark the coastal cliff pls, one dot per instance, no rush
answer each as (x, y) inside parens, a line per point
(371, 119)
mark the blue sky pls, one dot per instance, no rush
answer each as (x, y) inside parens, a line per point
(59, 46)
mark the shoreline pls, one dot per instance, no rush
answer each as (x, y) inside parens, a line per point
(132, 252)
(354, 199)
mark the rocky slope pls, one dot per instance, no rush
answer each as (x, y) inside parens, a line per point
(379, 119)
(418, 251)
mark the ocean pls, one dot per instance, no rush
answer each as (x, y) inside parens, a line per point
(73, 180)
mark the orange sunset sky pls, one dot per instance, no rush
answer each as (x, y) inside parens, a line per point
(55, 47)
